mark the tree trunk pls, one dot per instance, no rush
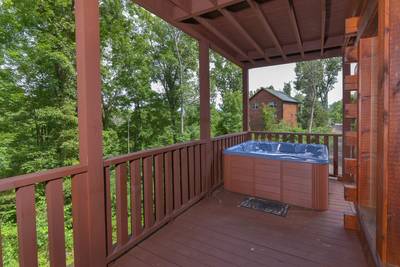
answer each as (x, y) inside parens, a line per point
(311, 121)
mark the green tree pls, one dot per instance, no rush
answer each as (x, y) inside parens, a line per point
(269, 117)
(314, 80)
(226, 96)
(287, 88)
(336, 112)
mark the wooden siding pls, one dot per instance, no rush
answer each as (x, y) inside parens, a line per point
(284, 110)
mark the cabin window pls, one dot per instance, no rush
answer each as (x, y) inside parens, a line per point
(272, 104)
(255, 105)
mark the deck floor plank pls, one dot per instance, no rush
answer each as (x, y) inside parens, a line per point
(216, 232)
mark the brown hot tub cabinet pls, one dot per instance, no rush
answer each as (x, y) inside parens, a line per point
(302, 184)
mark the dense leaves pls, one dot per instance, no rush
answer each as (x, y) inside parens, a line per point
(150, 95)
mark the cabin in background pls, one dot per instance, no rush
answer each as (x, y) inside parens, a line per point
(286, 107)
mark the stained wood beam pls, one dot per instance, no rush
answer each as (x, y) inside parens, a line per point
(225, 39)
(293, 20)
(227, 14)
(367, 18)
(264, 22)
(183, 4)
(323, 25)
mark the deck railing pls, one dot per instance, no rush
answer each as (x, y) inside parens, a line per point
(154, 186)
(143, 191)
(218, 145)
(332, 141)
(25, 189)
(151, 188)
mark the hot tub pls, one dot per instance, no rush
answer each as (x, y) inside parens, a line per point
(296, 174)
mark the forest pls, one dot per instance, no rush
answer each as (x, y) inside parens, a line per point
(150, 98)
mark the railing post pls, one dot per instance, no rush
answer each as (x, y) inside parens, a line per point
(205, 118)
(88, 189)
(245, 76)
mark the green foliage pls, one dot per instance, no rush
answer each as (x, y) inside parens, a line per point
(336, 112)
(150, 95)
(226, 96)
(269, 117)
(287, 88)
(314, 80)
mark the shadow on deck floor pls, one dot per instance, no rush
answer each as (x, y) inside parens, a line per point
(216, 232)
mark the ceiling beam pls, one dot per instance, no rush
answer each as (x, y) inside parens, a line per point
(293, 20)
(201, 7)
(323, 25)
(264, 22)
(333, 52)
(220, 35)
(227, 14)
(184, 5)
(290, 49)
(164, 10)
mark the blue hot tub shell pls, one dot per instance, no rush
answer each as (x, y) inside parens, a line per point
(309, 153)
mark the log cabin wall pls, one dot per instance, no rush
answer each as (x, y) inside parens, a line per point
(388, 169)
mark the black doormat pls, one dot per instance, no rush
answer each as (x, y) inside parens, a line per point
(269, 206)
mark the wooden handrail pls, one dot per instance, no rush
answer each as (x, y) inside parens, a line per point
(149, 152)
(40, 177)
(296, 133)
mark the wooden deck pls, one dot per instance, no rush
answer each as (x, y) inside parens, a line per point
(216, 232)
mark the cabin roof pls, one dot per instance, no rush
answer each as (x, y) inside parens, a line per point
(279, 94)
(256, 33)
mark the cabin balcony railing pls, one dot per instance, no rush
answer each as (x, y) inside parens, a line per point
(154, 186)
(332, 141)
(143, 191)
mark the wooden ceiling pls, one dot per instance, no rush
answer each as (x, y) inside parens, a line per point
(256, 33)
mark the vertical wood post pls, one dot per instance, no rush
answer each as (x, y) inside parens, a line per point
(346, 126)
(388, 202)
(205, 117)
(245, 76)
(89, 210)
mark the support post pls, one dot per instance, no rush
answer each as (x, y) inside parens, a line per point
(88, 189)
(346, 126)
(245, 76)
(205, 117)
(388, 184)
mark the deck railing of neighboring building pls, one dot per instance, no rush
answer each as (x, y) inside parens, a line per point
(332, 141)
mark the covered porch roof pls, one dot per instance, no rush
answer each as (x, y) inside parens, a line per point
(257, 33)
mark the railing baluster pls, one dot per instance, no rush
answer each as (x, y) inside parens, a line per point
(215, 164)
(108, 210)
(122, 204)
(184, 176)
(292, 137)
(79, 222)
(177, 179)
(300, 138)
(136, 198)
(317, 138)
(203, 168)
(55, 219)
(159, 186)
(169, 195)
(197, 169)
(220, 155)
(191, 171)
(335, 155)
(308, 138)
(26, 220)
(148, 192)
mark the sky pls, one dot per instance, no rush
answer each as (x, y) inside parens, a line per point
(277, 75)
